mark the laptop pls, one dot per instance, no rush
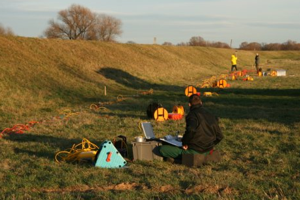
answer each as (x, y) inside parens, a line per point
(149, 134)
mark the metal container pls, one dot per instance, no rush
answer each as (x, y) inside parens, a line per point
(140, 139)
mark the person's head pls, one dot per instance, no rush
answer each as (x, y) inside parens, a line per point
(257, 54)
(194, 100)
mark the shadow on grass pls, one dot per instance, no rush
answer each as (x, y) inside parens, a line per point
(136, 107)
(120, 115)
(54, 142)
(39, 154)
(273, 105)
(43, 140)
(128, 80)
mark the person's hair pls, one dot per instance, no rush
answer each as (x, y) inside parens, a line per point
(194, 100)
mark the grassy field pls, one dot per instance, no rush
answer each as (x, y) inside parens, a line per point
(41, 78)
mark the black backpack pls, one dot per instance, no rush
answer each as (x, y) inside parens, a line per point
(120, 142)
(152, 108)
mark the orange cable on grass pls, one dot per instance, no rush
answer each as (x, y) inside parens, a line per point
(21, 128)
(17, 129)
(66, 114)
(146, 92)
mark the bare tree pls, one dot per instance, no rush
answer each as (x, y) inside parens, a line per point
(290, 45)
(183, 44)
(76, 22)
(106, 28)
(6, 31)
(243, 45)
(130, 42)
(197, 41)
(250, 46)
(167, 44)
(218, 45)
(272, 47)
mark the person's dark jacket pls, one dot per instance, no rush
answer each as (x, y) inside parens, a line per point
(202, 130)
(256, 59)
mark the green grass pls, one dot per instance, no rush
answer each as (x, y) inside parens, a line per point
(260, 120)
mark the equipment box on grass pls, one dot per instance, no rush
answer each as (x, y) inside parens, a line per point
(146, 150)
(281, 72)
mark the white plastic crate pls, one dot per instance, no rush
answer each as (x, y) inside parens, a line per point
(281, 72)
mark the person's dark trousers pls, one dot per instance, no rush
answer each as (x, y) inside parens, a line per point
(233, 66)
(169, 151)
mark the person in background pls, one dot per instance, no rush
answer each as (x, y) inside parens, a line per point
(233, 62)
(257, 62)
(201, 135)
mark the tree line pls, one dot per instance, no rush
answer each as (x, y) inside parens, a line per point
(253, 46)
(199, 41)
(286, 46)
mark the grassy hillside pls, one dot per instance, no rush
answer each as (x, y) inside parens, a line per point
(39, 73)
(40, 79)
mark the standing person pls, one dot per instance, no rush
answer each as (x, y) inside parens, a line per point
(257, 62)
(233, 62)
(202, 133)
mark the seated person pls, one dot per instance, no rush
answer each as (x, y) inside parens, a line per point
(201, 135)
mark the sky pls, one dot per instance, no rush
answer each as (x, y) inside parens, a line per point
(174, 21)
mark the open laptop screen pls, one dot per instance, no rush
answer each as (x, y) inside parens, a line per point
(148, 131)
(149, 134)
